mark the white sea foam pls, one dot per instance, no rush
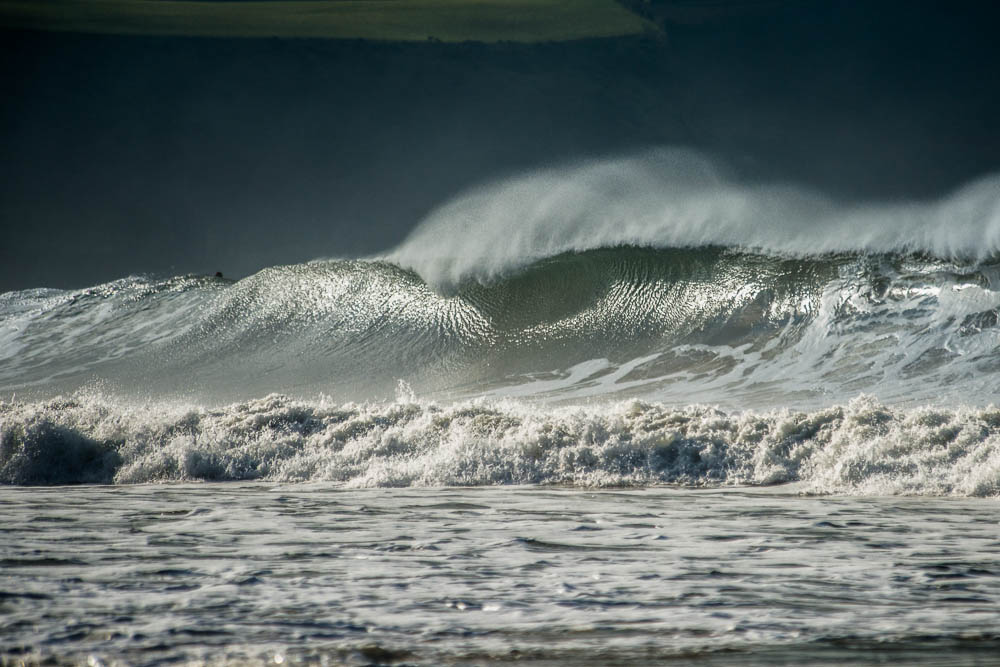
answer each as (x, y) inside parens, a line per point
(863, 447)
(679, 198)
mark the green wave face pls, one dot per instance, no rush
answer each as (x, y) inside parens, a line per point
(642, 294)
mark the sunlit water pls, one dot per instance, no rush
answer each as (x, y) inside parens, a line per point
(258, 573)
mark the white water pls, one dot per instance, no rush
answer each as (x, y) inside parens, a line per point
(863, 448)
(580, 369)
(311, 574)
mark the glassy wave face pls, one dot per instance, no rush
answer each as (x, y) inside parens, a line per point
(554, 327)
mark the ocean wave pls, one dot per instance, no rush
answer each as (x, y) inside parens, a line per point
(862, 447)
(656, 276)
(675, 198)
(714, 325)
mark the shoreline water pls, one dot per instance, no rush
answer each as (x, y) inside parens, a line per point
(313, 574)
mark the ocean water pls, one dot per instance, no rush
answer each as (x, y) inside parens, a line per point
(264, 573)
(611, 412)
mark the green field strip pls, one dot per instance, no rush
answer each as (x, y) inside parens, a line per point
(389, 20)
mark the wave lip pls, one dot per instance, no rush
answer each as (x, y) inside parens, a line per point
(862, 448)
(675, 198)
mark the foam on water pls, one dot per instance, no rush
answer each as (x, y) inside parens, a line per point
(305, 574)
(863, 447)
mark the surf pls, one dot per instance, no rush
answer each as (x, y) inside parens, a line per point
(657, 276)
(715, 325)
(861, 448)
(643, 320)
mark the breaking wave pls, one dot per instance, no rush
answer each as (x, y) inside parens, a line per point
(709, 325)
(552, 325)
(860, 448)
(674, 198)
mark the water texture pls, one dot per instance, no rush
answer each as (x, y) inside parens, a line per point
(309, 574)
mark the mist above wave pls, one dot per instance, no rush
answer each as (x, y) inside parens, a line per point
(679, 198)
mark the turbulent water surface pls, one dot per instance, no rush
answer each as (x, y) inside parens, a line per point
(635, 323)
(265, 574)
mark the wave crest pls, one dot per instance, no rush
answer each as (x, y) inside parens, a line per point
(673, 198)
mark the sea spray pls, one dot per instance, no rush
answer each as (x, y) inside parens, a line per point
(676, 198)
(862, 447)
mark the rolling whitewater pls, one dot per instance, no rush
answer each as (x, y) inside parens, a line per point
(775, 391)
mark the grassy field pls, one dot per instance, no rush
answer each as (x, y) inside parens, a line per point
(389, 20)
